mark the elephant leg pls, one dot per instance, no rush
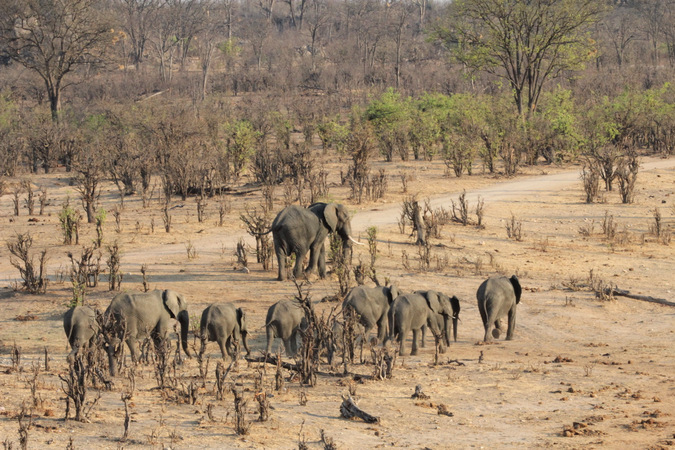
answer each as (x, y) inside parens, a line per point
(424, 335)
(512, 324)
(132, 343)
(415, 338)
(382, 329)
(299, 260)
(402, 336)
(281, 262)
(322, 261)
(224, 346)
(270, 339)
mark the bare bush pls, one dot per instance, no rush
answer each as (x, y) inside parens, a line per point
(258, 224)
(608, 226)
(33, 276)
(514, 229)
(241, 424)
(84, 273)
(70, 222)
(113, 262)
(591, 181)
(626, 174)
(412, 212)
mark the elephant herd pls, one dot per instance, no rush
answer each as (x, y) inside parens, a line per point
(149, 314)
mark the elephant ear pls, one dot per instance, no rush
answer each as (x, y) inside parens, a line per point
(172, 303)
(454, 301)
(241, 320)
(330, 216)
(433, 301)
(516, 287)
(393, 293)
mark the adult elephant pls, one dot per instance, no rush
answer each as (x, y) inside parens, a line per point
(413, 312)
(498, 297)
(371, 304)
(284, 320)
(81, 328)
(225, 324)
(297, 230)
(148, 314)
(435, 296)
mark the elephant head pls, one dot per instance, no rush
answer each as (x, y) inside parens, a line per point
(243, 331)
(441, 304)
(392, 293)
(176, 305)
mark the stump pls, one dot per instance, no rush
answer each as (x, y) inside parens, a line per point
(350, 410)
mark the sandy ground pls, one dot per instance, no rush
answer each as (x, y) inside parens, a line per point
(608, 366)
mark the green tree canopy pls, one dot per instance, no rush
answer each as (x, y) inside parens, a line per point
(524, 42)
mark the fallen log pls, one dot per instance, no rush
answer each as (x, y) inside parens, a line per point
(645, 298)
(271, 359)
(349, 410)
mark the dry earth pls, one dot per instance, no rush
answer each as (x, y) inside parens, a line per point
(606, 366)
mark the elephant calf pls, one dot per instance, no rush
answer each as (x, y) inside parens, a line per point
(285, 319)
(371, 304)
(225, 324)
(81, 328)
(498, 297)
(413, 312)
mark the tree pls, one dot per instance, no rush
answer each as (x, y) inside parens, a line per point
(136, 17)
(52, 38)
(526, 43)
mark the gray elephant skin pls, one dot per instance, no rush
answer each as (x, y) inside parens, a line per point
(226, 324)
(411, 312)
(148, 314)
(285, 319)
(81, 328)
(497, 297)
(297, 230)
(371, 304)
(440, 318)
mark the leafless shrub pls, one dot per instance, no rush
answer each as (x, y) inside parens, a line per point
(279, 374)
(241, 424)
(608, 226)
(30, 196)
(74, 385)
(318, 185)
(383, 361)
(405, 261)
(480, 206)
(201, 208)
(626, 175)
(117, 215)
(224, 207)
(341, 265)
(424, 251)
(24, 427)
(144, 274)
(36, 398)
(514, 229)
(460, 210)
(327, 442)
(412, 212)
(34, 278)
(405, 179)
(127, 418)
(302, 442)
(591, 182)
(587, 230)
(113, 262)
(258, 223)
(16, 358)
(162, 364)
(302, 398)
(84, 273)
(43, 199)
(242, 253)
(191, 250)
(16, 192)
(377, 185)
(263, 406)
(166, 218)
(656, 227)
(221, 375)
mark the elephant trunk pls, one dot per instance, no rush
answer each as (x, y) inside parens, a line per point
(184, 320)
(112, 357)
(244, 341)
(455, 319)
(446, 331)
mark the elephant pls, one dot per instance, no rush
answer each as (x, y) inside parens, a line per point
(225, 324)
(372, 306)
(497, 297)
(148, 314)
(413, 312)
(440, 319)
(297, 230)
(285, 319)
(81, 328)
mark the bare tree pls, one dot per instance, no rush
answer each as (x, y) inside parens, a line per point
(137, 17)
(53, 38)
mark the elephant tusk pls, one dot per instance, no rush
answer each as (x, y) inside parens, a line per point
(356, 242)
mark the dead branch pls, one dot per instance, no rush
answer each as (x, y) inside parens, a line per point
(349, 410)
(646, 298)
